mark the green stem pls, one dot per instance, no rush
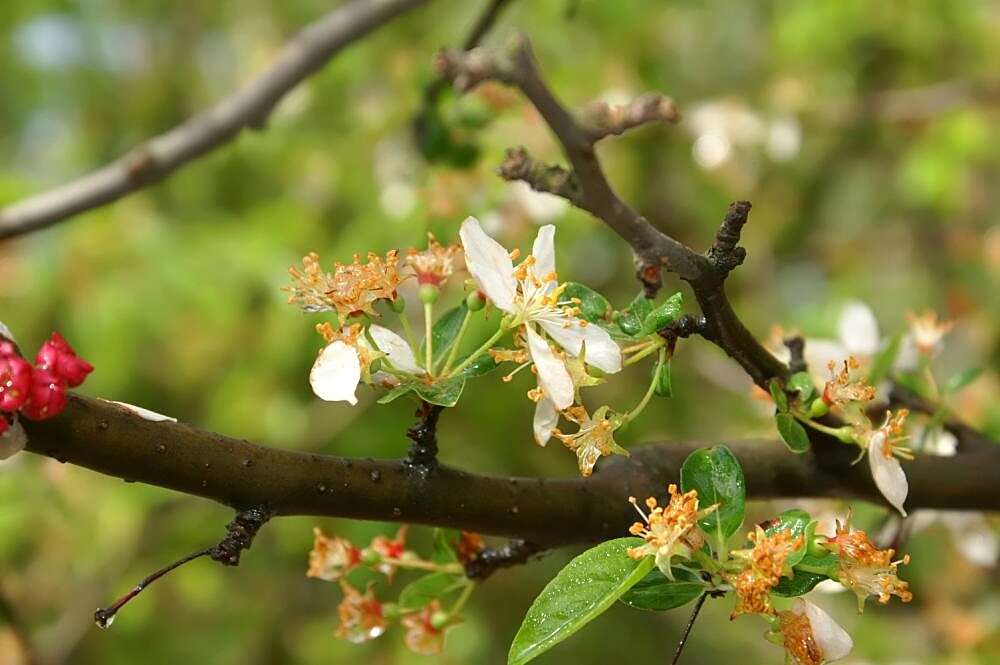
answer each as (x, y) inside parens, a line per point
(839, 433)
(462, 599)
(478, 352)
(631, 415)
(420, 564)
(653, 347)
(453, 354)
(429, 337)
(408, 331)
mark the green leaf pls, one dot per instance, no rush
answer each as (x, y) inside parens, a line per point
(422, 591)
(443, 393)
(792, 432)
(961, 380)
(718, 477)
(802, 583)
(803, 383)
(656, 593)
(664, 314)
(633, 316)
(484, 364)
(593, 306)
(581, 591)
(799, 523)
(664, 386)
(444, 332)
(445, 544)
(884, 360)
(778, 395)
(395, 393)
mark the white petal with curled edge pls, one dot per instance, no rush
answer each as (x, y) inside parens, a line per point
(5, 332)
(553, 377)
(602, 351)
(336, 372)
(819, 353)
(145, 414)
(833, 641)
(544, 251)
(887, 473)
(489, 264)
(396, 348)
(858, 329)
(13, 440)
(546, 419)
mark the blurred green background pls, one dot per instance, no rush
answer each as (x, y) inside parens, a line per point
(865, 134)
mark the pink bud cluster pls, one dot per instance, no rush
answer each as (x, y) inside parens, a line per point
(38, 392)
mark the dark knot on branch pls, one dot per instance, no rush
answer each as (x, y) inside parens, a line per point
(492, 559)
(423, 450)
(724, 254)
(684, 327)
(796, 346)
(240, 533)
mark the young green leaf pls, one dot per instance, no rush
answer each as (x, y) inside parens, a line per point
(792, 432)
(656, 593)
(484, 364)
(664, 314)
(718, 477)
(593, 306)
(802, 583)
(884, 361)
(799, 523)
(395, 393)
(445, 544)
(423, 590)
(442, 393)
(778, 395)
(581, 591)
(961, 380)
(445, 331)
(664, 386)
(633, 316)
(803, 383)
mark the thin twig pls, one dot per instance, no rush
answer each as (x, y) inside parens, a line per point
(302, 56)
(687, 629)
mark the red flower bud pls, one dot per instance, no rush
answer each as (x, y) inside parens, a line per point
(47, 397)
(15, 382)
(58, 357)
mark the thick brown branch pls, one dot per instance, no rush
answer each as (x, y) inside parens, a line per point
(302, 56)
(108, 439)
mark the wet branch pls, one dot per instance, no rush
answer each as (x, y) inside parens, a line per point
(424, 449)
(513, 553)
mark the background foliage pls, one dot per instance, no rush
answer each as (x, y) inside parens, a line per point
(859, 191)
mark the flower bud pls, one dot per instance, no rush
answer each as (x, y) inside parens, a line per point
(398, 305)
(439, 620)
(818, 408)
(475, 301)
(429, 293)
(47, 397)
(370, 557)
(15, 382)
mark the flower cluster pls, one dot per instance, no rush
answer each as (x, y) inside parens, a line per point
(865, 569)
(766, 562)
(363, 617)
(40, 391)
(669, 531)
(562, 339)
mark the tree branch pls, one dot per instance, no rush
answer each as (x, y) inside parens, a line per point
(249, 107)
(111, 440)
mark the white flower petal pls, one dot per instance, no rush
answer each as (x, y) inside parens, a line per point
(908, 357)
(13, 440)
(546, 419)
(833, 641)
(489, 264)
(396, 348)
(336, 372)
(819, 353)
(602, 351)
(858, 329)
(553, 377)
(544, 251)
(887, 473)
(5, 332)
(146, 414)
